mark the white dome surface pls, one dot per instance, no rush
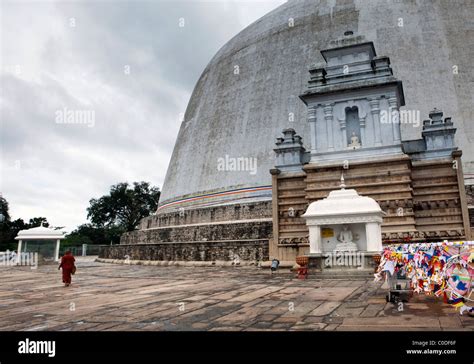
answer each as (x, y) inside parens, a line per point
(343, 202)
(240, 115)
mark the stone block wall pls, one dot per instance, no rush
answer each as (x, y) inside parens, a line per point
(470, 195)
(202, 232)
(220, 233)
(208, 215)
(422, 199)
(436, 200)
(470, 203)
(387, 180)
(249, 250)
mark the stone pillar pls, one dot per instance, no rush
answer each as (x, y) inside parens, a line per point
(342, 125)
(273, 249)
(56, 251)
(312, 125)
(315, 239)
(328, 116)
(375, 110)
(18, 256)
(373, 233)
(362, 131)
(393, 106)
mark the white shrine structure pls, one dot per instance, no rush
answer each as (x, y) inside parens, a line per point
(40, 236)
(344, 222)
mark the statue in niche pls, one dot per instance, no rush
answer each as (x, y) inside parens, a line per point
(353, 127)
(355, 142)
(345, 238)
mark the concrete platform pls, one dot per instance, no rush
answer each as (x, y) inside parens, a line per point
(107, 296)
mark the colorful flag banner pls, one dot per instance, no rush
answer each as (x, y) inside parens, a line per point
(444, 269)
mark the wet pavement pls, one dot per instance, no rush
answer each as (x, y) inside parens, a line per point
(107, 296)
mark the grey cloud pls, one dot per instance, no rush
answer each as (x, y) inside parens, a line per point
(53, 169)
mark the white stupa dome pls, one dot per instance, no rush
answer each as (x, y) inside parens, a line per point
(241, 115)
(343, 202)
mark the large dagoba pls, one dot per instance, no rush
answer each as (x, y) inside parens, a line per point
(216, 202)
(239, 115)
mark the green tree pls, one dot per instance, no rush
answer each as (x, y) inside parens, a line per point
(37, 221)
(5, 231)
(124, 206)
(19, 224)
(5, 215)
(9, 229)
(89, 234)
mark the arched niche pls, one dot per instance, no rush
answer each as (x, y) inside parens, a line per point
(353, 127)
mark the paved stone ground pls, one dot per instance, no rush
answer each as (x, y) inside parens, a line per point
(119, 297)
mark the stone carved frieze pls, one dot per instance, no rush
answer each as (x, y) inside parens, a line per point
(294, 241)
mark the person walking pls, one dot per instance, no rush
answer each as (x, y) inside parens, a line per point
(67, 264)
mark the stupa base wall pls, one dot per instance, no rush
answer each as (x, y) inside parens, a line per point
(236, 251)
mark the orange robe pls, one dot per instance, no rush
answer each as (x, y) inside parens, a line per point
(67, 263)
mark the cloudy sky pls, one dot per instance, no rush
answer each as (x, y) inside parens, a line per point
(92, 93)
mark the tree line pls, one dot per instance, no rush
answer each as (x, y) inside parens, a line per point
(109, 216)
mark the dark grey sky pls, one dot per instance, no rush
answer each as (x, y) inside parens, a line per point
(130, 63)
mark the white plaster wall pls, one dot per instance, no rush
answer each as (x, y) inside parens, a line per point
(242, 115)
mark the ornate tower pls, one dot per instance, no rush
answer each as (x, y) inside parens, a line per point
(353, 111)
(353, 105)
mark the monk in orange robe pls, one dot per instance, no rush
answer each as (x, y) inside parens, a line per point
(67, 264)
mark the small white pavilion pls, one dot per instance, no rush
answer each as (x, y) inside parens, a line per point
(43, 234)
(345, 219)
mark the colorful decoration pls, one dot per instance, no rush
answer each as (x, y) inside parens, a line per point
(443, 269)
